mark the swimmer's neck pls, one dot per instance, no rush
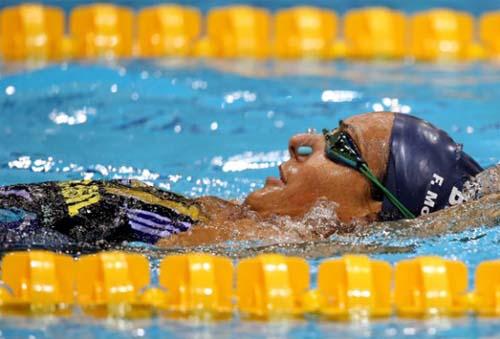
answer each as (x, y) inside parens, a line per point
(222, 221)
(227, 221)
(214, 208)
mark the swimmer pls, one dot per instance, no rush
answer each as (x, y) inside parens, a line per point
(371, 167)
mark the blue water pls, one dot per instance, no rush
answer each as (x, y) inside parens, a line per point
(203, 128)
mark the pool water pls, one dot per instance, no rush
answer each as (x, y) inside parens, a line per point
(219, 128)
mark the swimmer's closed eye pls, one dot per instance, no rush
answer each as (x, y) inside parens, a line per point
(304, 150)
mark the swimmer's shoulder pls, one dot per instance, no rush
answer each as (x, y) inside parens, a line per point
(490, 179)
(484, 183)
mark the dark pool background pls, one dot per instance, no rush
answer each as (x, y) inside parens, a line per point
(219, 128)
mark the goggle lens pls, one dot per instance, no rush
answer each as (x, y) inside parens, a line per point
(341, 148)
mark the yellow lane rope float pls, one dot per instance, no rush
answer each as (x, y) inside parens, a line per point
(103, 31)
(375, 33)
(167, 30)
(266, 287)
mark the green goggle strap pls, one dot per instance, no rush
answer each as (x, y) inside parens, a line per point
(350, 157)
(402, 208)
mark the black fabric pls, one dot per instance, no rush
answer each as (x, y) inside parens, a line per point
(426, 168)
(90, 215)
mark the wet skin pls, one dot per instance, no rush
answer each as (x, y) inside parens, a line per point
(305, 179)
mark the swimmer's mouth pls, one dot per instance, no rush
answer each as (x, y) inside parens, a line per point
(273, 181)
(282, 176)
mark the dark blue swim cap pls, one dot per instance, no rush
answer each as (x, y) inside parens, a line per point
(426, 170)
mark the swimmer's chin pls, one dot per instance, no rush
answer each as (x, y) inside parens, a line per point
(261, 201)
(274, 182)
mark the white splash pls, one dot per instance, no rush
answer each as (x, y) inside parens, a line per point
(246, 96)
(250, 161)
(339, 95)
(77, 117)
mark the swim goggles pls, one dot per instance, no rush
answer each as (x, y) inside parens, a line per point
(342, 149)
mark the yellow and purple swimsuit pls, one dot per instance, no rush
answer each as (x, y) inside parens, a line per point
(92, 214)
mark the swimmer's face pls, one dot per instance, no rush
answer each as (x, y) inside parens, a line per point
(306, 178)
